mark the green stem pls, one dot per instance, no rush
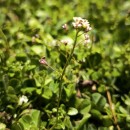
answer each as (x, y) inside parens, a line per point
(62, 75)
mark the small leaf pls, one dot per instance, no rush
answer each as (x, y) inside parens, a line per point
(123, 110)
(68, 123)
(3, 35)
(96, 114)
(17, 126)
(85, 106)
(30, 67)
(47, 93)
(107, 121)
(72, 111)
(70, 90)
(82, 122)
(98, 100)
(28, 90)
(37, 49)
(36, 117)
(26, 121)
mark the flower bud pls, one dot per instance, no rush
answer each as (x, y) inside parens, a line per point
(43, 61)
(65, 27)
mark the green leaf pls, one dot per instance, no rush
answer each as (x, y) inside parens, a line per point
(21, 57)
(26, 119)
(98, 100)
(91, 127)
(72, 111)
(96, 114)
(28, 90)
(107, 121)
(36, 117)
(47, 93)
(37, 49)
(123, 110)
(85, 106)
(69, 90)
(53, 87)
(80, 124)
(3, 35)
(10, 90)
(17, 126)
(30, 67)
(68, 123)
(31, 119)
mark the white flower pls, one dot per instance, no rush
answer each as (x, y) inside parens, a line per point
(22, 100)
(82, 24)
(77, 22)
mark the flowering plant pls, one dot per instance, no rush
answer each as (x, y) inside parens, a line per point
(80, 25)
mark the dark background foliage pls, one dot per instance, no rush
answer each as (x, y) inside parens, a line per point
(32, 29)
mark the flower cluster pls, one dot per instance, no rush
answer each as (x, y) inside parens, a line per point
(81, 24)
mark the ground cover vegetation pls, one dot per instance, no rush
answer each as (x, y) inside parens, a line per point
(64, 65)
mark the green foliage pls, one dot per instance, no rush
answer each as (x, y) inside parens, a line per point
(28, 121)
(30, 30)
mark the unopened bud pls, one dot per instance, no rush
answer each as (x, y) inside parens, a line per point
(43, 61)
(65, 27)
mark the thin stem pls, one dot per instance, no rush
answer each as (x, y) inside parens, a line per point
(62, 75)
(63, 72)
(53, 69)
(112, 110)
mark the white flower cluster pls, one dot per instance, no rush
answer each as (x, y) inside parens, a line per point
(82, 24)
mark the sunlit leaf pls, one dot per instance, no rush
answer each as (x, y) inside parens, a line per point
(72, 111)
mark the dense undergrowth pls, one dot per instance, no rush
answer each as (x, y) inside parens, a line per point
(94, 93)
